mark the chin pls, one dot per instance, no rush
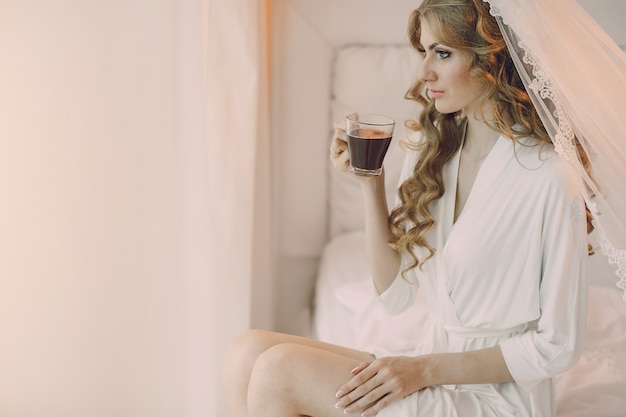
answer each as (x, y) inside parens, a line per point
(446, 110)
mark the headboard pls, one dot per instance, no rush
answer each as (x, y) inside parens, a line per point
(369, 79)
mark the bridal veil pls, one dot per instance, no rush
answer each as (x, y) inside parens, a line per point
(576, 76)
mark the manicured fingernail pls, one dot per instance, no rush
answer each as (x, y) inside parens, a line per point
(347, 411)
(354, 370)
(340, 393)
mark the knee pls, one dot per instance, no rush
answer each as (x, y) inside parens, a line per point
(277, 359)
(244, 350)
(273, 374)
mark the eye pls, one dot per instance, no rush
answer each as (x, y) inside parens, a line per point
(442, 54)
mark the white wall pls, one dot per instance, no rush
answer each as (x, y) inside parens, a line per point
(101, 299)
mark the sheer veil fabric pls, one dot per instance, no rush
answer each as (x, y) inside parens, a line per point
(576, 76)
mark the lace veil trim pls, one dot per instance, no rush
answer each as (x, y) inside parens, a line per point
(576, 77)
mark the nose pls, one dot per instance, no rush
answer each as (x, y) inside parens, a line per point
(425, 72)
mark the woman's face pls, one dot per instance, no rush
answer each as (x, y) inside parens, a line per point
(445, 72)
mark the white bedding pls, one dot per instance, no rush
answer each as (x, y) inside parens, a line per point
(373, 79)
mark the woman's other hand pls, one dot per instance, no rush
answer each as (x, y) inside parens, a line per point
(377, 384)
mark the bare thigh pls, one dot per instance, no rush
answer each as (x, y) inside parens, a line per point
(244, 352)
(301, 379)
(263, 340)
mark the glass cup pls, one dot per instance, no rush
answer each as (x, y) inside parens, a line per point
(369, 136)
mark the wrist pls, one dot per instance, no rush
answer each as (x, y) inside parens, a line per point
(375, 182)
(430, 366)
(483, 366)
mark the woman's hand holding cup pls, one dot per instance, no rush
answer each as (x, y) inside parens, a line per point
(339, 155)
(362, 149)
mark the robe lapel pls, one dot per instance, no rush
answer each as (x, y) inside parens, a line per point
(445, 310)
(490, 172)
(445, 215)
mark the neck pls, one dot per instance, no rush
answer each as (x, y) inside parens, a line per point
(479, 136)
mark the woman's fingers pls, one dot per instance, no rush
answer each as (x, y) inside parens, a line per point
(360, 385)
(339, 140)
(383, 402)
(375, 385)
(339, 147)
(340, 125)
(365, 396)
(370, 397)
(359, 368)
(339, 150)
(363, 375)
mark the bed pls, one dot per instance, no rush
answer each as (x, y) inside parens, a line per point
(323, 259)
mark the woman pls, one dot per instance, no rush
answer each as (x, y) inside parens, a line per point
(491, 227)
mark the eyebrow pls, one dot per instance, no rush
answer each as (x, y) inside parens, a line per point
(432, 46)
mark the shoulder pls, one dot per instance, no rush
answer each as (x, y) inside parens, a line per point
(540, 164)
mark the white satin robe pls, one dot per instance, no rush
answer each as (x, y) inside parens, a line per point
(509, 271)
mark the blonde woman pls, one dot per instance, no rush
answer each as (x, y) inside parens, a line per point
(492, 227)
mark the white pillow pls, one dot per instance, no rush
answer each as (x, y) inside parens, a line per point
(370, 79)
(347, 311)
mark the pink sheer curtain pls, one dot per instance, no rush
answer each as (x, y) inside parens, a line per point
(241, 243)
(135, 210)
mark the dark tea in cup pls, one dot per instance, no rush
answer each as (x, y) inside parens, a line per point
(369, 137)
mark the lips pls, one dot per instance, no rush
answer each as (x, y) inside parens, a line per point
(435, 93)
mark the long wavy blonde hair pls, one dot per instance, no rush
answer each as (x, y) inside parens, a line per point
(465, 25)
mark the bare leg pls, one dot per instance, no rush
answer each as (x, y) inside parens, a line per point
(292, 380)
(244, 351)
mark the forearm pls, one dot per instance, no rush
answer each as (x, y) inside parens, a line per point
(403, 375)
(383, 261)
(485, 366)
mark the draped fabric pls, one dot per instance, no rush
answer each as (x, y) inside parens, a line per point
(241, 245)
(576, 75)
(134, 220)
